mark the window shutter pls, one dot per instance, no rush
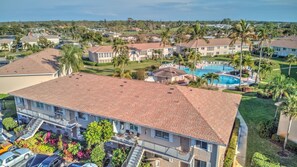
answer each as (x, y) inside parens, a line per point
(209, 147)
(170, 137)
(152, 133)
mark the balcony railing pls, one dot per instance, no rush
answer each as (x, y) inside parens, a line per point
(54, 119)
(169, 151)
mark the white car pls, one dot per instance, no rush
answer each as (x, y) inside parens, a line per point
(12, 158)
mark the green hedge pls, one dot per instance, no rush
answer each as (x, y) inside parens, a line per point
(9, 123)
(231, 150)
(260, 160)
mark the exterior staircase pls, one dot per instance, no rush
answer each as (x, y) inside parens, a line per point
(135, 157)
(31, 128)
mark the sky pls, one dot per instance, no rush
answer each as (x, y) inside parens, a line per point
(165, 10)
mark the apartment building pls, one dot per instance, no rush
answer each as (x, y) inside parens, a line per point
(217, 46)
(33, 69)
(137, 52)
(172, 125)
(285, 46)
(32, 38)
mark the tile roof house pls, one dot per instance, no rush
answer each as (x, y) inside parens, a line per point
(139, 51)
(216, 46)
(6, 41)
(184, 115)
(284, 46)
(36, 68)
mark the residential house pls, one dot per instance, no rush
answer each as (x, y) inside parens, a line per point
(285, 46)
(33, 69)
(53, 38)
(137, 52)
(217, 46)
(172, 125)
(283, 128)
(6, 41)
(32, 38)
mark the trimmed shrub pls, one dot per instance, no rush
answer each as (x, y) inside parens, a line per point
(264, 95)
(140, 74)
(245, 75)
(18, 129)
(97, 155)
(260, 160)
(267, 128)
(231, 150)
(9, 123)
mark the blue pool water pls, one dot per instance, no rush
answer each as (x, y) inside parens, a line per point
(224, 79)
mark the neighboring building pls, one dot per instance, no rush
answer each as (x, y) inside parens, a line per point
(33, 69)
(32, 38)
(175, 125)
(284, 46)
(53, 38)
(6, 41)
(217, 46)
(283, 128)
(168, 75)
(137, 52)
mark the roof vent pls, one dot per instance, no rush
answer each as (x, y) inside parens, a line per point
(137, 96)
(121, 85)
(76, 78)
(171, 88)
(169, 92)
(190, 89)
(125, 81)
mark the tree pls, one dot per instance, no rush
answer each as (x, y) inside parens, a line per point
(93, 134)
(291, 58)
(141, 74)
(97, 155)
(4, 46)
(289, 109)
(106, 130)
(9, 123)
(44, 43)
(211, 77)
(198, 82)
(165, 40)
(280, 86)
(198, 32)
(178, 58)
(121, 57)
(244, 32)
(268, 52)
(118, 157)
(10, 58)
(71, 60)
(263, 36)
(192, 58)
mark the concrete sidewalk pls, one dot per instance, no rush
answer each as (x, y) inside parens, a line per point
(242, 141)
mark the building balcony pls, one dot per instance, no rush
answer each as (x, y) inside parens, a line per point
(57, 120)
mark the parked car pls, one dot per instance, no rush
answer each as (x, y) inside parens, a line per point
(12, 158)
(52, 161)
(79, 164)
(36, 160)
(6, 146)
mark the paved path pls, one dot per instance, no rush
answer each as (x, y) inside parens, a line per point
(242, 141)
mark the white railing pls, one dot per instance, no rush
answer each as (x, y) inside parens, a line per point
(60, 121)
(169, 151)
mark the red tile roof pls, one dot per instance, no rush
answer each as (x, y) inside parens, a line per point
(101, 49)
(42, 62)
(287, 42)
(212, 42)
(201, 114)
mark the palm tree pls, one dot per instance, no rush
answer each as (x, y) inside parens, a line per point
(71, 60)
(289, 109)
(244, 32)
(198, 32)
(291, 58)
(268, 52)
(27, 46)
(211, 77)
(263, 36)
(198, 82)
(280, 87)
(165, 40)
(121, 57)
(178, 58)
(192, 58)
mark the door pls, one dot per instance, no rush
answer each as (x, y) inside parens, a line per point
(185, 144)
(29, 104)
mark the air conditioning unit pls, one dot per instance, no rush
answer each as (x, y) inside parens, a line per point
(157, 163)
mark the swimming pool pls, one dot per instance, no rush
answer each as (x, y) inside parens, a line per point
(224, 79)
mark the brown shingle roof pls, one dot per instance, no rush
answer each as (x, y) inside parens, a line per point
(287, 42)
(201, 114)
(37, 63)
(168, 72)
(212, 42)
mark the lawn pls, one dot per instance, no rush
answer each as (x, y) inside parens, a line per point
(108, 69)
(255, 110)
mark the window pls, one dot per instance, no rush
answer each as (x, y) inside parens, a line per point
(201, 144)
(210, 48)
(284, 48)
(293, 50)
(218, 47)
(82, 116)
(162, 135)
(82, 130)
(218, 53)
(199, 163)
(20, 101)
(48, 107)
(202, 48)
(39, 105)
(133, 127)
(225, 47)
